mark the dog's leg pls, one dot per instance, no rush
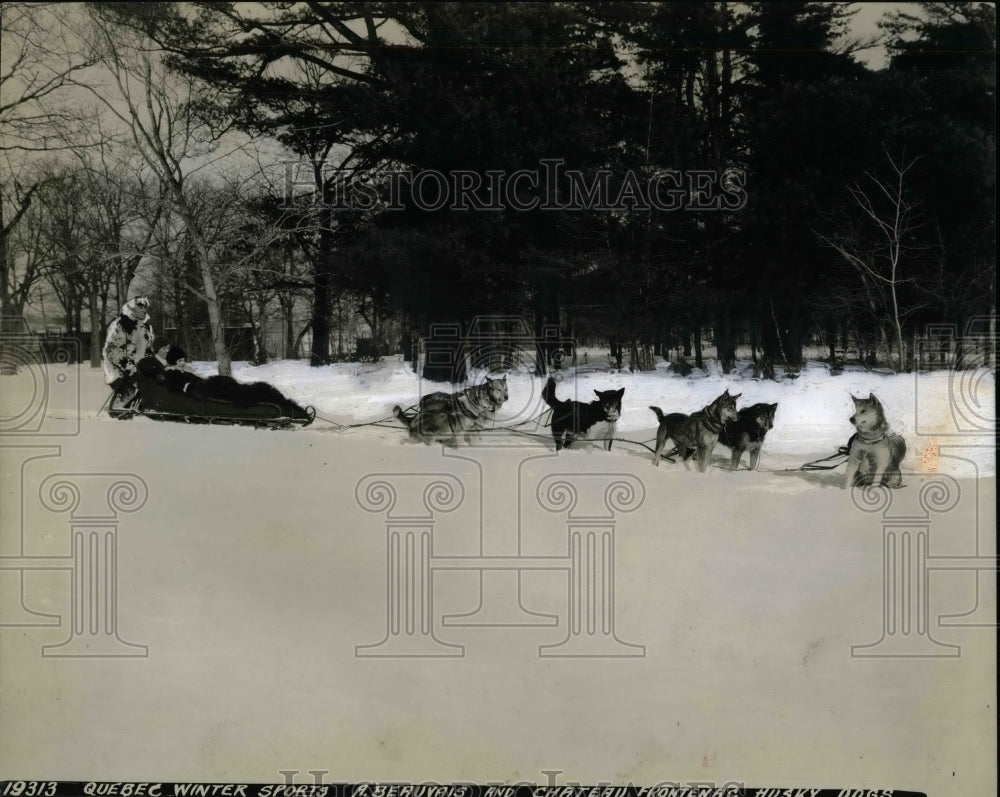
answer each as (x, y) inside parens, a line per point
(881, 458)
(670, 454)
(704, 455)
(735, 463)
(852, 472)
(754, 458)
(661, 441)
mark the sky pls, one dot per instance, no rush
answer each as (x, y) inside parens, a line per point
(863, 26)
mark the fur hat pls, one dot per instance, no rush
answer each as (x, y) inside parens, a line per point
(176, 353)
(159, 342)
(136, 308)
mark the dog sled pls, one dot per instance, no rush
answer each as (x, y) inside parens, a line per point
(160, 403)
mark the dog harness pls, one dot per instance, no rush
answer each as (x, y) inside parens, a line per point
(865, 439)
(712, 424)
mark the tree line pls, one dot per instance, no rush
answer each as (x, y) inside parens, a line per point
(866, 196)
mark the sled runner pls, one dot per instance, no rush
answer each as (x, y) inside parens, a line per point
(160, 403)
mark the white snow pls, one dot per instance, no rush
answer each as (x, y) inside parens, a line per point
(937, 408)
(252, 573)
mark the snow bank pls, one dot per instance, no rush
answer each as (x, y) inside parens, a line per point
(931, 410)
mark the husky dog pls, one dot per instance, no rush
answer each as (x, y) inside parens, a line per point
(698, 432)
(572, 420)
(747, 432)
(443, 416)
(874, 453)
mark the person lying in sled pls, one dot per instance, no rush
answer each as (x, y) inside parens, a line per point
(154, 364)
(179, 379)
(177, 376)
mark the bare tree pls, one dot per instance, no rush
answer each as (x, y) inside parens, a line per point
(39, 55)
(876, 243)
(121, 219)
(157, 112)
(66, 239)
(22, 253)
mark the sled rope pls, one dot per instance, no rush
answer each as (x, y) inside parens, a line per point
(386, 423)
(841, 456)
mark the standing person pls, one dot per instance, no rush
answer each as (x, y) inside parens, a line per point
(129, 337)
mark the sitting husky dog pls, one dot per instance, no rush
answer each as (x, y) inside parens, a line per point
(442, 416)
(747, 432)
(572, 420)
(698, 432)
(874, 453)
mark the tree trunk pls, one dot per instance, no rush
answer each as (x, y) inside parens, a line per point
(406, 342)
(298, 339)
(616, 352)
(288, 321)
(323, 278)
(541, 351)
(376, 331)
(699, 361)
(262, 330)
(831, 339)
(215, 319)
(104, 313)
(95, 329)
(724, 348)
(910, 348)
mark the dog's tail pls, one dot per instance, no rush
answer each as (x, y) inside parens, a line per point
(549, 392)
(659, 414)
(897, 447)
(402, 417)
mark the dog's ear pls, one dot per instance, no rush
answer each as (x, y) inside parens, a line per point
(873, 399)
(736, 396)
(621, 392)
(774, 407)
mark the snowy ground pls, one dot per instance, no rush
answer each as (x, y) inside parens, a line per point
(812, 419)
(253, 572)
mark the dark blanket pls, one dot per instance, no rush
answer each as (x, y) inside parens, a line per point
(221, 388)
